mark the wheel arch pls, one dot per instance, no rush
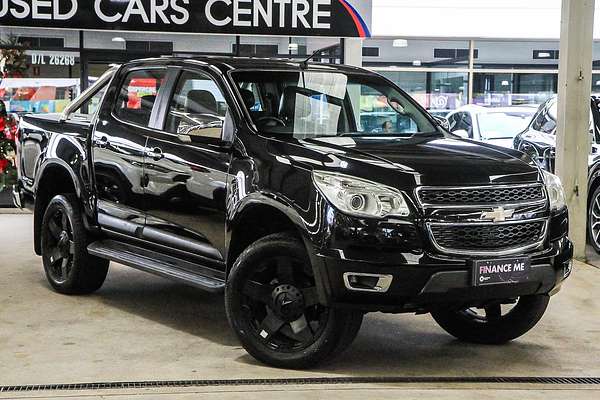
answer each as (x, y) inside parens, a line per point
(55, 178)
(258, 219)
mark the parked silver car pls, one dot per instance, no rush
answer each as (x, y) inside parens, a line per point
(494, 125)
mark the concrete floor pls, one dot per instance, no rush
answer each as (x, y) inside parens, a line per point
(139, 327)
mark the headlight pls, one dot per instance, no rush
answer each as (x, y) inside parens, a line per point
(360, 197)
(555, 191)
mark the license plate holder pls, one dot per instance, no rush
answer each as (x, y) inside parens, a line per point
(501, 271)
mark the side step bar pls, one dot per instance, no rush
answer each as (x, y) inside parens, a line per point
(159, 264)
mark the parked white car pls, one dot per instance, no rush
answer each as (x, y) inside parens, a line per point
(494, 125)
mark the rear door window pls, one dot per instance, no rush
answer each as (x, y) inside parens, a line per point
(138, 95)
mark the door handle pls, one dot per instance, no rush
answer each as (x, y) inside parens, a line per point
(156, 154)
(101, 142)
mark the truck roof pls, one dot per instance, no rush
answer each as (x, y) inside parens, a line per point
(231, 63)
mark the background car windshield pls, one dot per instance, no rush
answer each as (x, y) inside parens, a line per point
(502, 125)
(306, 104)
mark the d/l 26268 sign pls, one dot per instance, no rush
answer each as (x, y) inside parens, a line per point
(341, 18)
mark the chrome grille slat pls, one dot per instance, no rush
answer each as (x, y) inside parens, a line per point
(474, 196)
(468, 235)
(487, 237)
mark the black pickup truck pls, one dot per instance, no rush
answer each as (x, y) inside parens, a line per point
(271, 181)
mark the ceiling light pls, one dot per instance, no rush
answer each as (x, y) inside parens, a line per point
(118, 39)
(400, 43)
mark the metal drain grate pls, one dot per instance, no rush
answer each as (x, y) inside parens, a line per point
(300, 382)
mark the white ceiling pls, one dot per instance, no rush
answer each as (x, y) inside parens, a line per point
(510, 19)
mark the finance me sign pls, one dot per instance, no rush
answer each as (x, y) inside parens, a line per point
(339, 18)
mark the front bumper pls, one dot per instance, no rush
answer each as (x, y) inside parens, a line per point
(425, 283)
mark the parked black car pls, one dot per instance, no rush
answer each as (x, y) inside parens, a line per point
(539, 141)
(257, 178)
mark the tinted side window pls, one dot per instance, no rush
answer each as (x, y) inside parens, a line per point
(453, 121)
(138, 94)
(198, 108)
(468, 124)
(544, 123)
(462, 121)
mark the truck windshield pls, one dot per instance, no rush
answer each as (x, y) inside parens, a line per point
(307, 104)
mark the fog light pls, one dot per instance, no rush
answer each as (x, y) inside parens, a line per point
(374, 283)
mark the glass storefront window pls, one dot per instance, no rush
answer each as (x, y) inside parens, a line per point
(438, 92)
(596, 84)
(47, 86)
(509, 89)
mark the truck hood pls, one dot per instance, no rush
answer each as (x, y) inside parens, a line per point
(424, 160)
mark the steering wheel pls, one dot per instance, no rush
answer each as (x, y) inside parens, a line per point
(271, 121)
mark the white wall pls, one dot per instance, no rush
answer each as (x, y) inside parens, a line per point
(531, 19)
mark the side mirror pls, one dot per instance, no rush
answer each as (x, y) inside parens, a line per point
(443, 122)
(461, 133)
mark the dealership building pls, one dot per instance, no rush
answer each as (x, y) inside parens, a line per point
(443, 62)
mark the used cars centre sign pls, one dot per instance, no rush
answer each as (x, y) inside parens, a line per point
(339, 18)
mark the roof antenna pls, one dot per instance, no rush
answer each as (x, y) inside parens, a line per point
(304, 64)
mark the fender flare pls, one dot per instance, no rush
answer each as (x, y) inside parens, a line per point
(57, 163)
(257, 199)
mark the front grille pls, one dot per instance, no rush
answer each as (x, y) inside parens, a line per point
(490, 237)
(490, 195)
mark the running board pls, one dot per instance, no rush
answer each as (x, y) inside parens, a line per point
(159, 264)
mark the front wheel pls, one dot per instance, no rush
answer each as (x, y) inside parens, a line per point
(496, 323)
(273, 306)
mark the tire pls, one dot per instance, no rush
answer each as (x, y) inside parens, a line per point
(494, 328)
(594, 220)
(68, 266)
(269, 290)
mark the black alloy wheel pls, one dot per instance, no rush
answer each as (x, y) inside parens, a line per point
(64, 240)
(273, 305)
(281, 304)
(59, 246)
(493, 323)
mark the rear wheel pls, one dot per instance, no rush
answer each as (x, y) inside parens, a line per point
(68, 266)
(496, 323)
(273, 306)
